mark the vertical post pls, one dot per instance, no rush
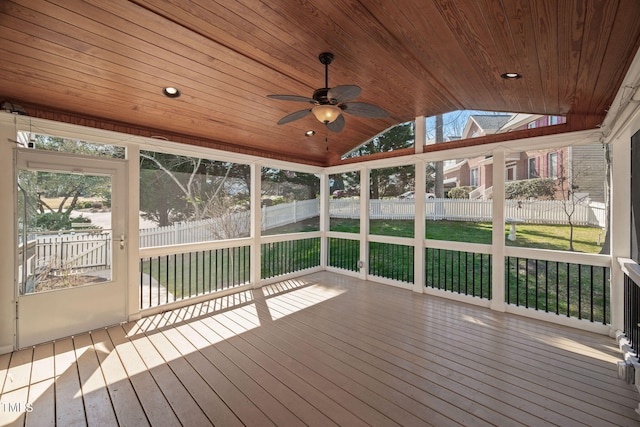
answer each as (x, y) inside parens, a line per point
(8, 285)
(419, 224)
(420, 206)
(324, 219)
(620, 224)
(364, 221)
(420, 134)
(133, 245)
(256, 224)
(497, 236)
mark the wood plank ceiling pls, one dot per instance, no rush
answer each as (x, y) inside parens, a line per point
(104, 63)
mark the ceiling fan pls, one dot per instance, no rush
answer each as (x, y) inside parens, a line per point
(330, 103)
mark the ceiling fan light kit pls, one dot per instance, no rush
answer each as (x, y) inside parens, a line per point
(326, 113)
(330, 103)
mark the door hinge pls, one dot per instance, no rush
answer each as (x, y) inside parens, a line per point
(16, 310)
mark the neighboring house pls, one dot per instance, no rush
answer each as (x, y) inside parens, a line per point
(583, 165)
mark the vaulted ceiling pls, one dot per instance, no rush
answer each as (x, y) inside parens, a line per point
(104, 64)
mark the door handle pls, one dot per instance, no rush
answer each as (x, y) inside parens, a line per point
(122, 241)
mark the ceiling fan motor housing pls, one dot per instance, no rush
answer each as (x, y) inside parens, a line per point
(321, 96)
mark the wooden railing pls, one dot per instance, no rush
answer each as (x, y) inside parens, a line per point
(177, 273)
(631, 330)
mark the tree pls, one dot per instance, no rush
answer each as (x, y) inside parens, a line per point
(181, 188)
(40, 188)
(388, 181)
(569, 196)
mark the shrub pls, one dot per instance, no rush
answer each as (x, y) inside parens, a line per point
(460, 192)
(537, 188)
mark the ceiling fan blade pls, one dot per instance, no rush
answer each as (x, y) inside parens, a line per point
(337, 125)
(294, 116)
(292, 98)
(363, 109)
(344, 93)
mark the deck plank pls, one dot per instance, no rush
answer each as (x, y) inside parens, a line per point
(300, 407)
(153, 401)
(128, 409)
(322, 350)
(278, 368)
(69, 406)
(231, 394)
(213, 406)
(97, 403)
(41, 390)
(272, 408)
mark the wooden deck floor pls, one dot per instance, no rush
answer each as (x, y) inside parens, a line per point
(321, 350)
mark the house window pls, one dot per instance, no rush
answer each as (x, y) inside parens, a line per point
(474, 179)
(533, 169)
(555, 120)
(553, 165)
(510, 173)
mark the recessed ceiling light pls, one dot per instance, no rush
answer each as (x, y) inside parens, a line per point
(310, 133)
(511, 76)
(171, 92)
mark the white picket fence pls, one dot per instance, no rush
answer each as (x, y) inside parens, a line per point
(533, 212)
(229, 226)
(236, 224)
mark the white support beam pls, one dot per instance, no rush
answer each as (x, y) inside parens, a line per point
(620, 223)
(324, 219)
(497, 235)
(8, 279)
(419, 225)
(420, 134)
(256, 223)
(133, 230)
(364, 221)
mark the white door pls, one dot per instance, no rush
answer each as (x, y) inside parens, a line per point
(70, 273)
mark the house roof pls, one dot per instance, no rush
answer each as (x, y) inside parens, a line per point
(490, 123)
(104, 64)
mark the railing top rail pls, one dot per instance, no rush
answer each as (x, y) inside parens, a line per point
(631, 269)
(192, 247)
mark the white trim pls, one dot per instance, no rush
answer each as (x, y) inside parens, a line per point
(394, 240)
(193, 247)
(631, 269)
(390, 282)
(557, 319)
(49, 127)
(193, 300)
(287, 276)
(291, 236)
(478, 248)
(560, 256)
(497, 233)
(343, 235)
(454, 296)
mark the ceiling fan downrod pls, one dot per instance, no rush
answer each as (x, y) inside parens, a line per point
(326, 58)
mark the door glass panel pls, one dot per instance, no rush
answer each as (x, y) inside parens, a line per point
(64, 230)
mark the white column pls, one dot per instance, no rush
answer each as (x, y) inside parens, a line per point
(364, 221)
(421, 134)
(620, 223)
(324, 219)
(497, 235)
(419, 224)
(8, 292)
(133, 231)
(256, 223)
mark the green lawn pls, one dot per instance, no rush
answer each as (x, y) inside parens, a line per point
(585, 239)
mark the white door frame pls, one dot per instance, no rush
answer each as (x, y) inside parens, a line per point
(49, 315)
